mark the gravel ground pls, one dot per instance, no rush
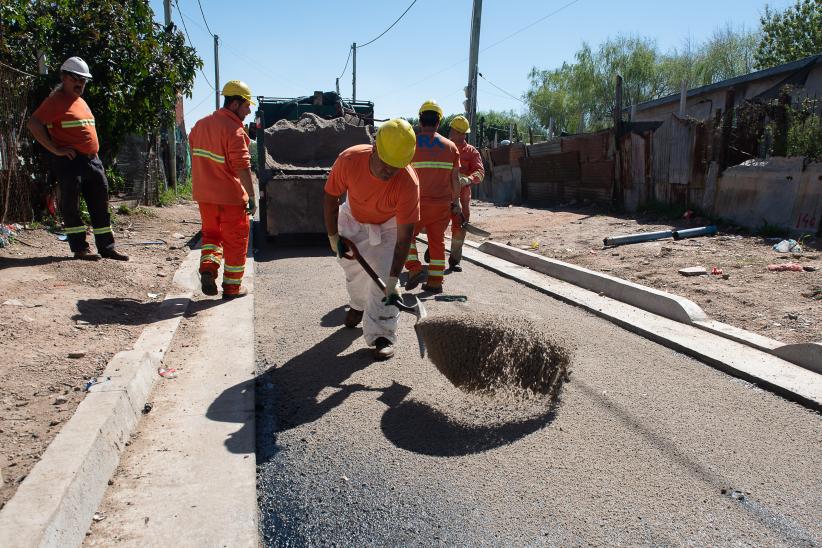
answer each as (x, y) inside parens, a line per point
(645, 446)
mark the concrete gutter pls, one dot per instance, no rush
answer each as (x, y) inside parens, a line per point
(667, 305)
(55, 504)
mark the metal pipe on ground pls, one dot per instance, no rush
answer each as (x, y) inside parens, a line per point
(613, 241)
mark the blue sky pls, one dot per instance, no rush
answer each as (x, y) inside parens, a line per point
(291, 48)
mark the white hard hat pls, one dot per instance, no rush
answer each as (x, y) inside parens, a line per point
(77, 66)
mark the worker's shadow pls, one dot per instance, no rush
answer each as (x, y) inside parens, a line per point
(125, 311)
(416, 426)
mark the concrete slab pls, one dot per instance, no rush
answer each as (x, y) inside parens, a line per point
(55, 504)
(189, 476)
(775, 374)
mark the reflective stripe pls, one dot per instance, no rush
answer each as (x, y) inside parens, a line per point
(203, 153)
(436, 262)
(102, 230)
(435, 274)
(75, 230)
(209, 259)
(433, 165)
(412, 258)
(77, 123)
(228, 268)
(211, 247)
(229, 281)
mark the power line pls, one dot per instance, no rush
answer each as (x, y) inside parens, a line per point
(526, 27)
(351, 49)
(204, 18)
(389, 28)
(183, 21)
(502, 90)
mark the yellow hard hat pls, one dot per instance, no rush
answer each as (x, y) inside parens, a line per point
(432, 106)
(396, 142)
(238, 88)
(460, 123)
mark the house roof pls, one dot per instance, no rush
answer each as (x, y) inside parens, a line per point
(750, 77)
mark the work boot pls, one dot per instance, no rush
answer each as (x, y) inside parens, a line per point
(456, 255)
(113, 254)
(208, 283)
(426, 257)
(455, 267)
(383, 349)
(86, 255)
(353, 318)
(414, 279)
(241, 293)
(436, 289)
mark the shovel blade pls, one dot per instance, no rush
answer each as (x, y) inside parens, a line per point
(468, 227)
(421, 313)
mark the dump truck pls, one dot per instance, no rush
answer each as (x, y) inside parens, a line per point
(298, 140)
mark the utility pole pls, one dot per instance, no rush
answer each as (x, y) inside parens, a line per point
(473, 68)
(217, 72)
(337, 85)
(354, 73)
(172, 131)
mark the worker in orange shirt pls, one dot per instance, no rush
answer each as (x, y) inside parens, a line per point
(437, 163)
(222, 186)
(472, 172)
(65, 126)
(380, 211)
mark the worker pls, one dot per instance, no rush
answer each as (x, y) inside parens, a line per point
(437, 163)
(222, 186)
(378, 217)
(472, 172)
(65, 126)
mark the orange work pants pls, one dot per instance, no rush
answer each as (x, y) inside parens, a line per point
(458, 233)
(434, 217)
(225, 236)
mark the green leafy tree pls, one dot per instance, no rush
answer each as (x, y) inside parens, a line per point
(791, 34)
(139, 68)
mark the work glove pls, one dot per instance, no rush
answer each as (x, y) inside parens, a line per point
(393, 293)
(465, 181)
(337, 245)
(251, 207)
(456, 208)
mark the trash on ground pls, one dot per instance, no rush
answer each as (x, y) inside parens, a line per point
(693, 271)
(612, 241)
(451, 298)
(167, 373)
(16, 302)
(786, 267)
(7, 233)
(99, 516)
(95, 380)
(787, 246)
(717, 271)
(147, 408)
(62, 237)
(153, 295)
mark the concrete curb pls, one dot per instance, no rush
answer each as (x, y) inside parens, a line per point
(55, 504)
(657, 302)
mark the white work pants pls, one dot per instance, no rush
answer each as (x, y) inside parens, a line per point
(376, 245)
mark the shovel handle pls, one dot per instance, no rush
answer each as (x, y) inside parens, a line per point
(355, 254)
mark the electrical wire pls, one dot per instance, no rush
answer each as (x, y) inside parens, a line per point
(350, 50)
(204, 18)
(183, 21)
(16, 70)
(502, 90)
(526, 27)
(389, 28)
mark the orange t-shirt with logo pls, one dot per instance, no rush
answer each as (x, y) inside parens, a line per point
(434, 160)
(70, 122)
(372, 200)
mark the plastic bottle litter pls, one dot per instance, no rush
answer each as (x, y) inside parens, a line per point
(787, 246)
(167, 373)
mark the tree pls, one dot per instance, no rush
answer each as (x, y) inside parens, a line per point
(139, 68)
(790, 35)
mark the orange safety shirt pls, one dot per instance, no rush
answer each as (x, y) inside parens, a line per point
(372, 200)
(219, 148)
(434, 160)
(471, 167)
(70, 122)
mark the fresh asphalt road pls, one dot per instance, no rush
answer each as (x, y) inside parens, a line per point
(646, 446)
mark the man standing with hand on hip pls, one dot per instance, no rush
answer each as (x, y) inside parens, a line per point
(378, 216)
(65, 126)
(222, 187)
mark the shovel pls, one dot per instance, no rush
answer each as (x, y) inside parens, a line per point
(468, 227)
(417, 309)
